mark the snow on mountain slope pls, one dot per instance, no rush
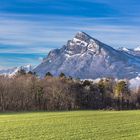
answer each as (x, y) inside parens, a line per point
(13, 71)
(87, 58)
(137, 49)
(135, 52)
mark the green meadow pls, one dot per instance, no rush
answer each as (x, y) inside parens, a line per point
(74, 125)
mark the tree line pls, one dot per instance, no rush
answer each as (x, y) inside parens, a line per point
(27, 92)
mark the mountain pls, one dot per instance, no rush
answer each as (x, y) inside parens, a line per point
(13, 71)
(87, 58)
(134, 52)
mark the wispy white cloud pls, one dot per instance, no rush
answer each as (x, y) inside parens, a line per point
(54, 32)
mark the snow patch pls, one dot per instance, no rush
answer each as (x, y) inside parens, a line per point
(137, 49)
(125, 49)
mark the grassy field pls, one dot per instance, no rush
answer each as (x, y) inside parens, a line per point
(76, 125)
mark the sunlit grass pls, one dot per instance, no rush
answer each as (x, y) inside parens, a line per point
(75, 125)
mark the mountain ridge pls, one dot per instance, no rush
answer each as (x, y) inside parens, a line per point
(12, 71)
(85, 57)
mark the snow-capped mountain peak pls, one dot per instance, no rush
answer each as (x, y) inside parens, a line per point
(12, 71)
(124, 49)
(137, 48)
(83, 43)
(83, 36)
(27, 68)
(87, 58)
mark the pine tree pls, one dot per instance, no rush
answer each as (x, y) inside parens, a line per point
(21, 72)
(62, 75)
(48, 74)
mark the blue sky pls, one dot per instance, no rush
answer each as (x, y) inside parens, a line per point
(29, 29)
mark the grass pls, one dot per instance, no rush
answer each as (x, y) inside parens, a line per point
(75, 125)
